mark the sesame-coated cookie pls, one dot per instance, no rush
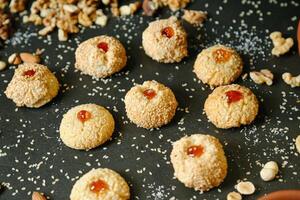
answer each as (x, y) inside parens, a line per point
(100, 56)
(199, 161)
(33, 85)
(150, 105)
(218, 65)
(165, 41)
(86, 126)
(101, 183)
(231, 106)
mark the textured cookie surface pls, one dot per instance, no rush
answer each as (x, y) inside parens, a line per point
(101, 183)
(86, 126)
(100, 56)
(150, 105)
(218, 65)
(165, 41)
(32, 85)
(199, 161)
(231, 106)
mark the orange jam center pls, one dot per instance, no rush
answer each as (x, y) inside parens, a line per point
(150, 94)
(98, 186)
(221, 55)
(103, 46)
(29, 73)
(168, 32)
(84, 115)
(195, 151)
(233, 96)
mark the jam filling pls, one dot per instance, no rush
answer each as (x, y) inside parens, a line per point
(168, 32)
(221, 55)
(98, 186)
(150, 94)
(29, 73)
(103, 46)
(195, 151)
(84, 115)
(233, 96)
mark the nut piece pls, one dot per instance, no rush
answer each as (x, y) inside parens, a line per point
(5, 25)
(2, 65)
(14, 59)
(293, 81)
(17, 5)
(269, 171)
(194, 17)
(62, 35)
(297, 143)
(298, 37)
(245, 188)
(281, 45)
(150, 7)
(264, 76)
(38, 196)
(234, 196)
(30, 58)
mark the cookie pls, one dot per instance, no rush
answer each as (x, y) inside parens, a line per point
(199, 161)
(231, 106)
(150, 105)
(86, 126)
(165, 40)
(101, 183)
(100, 56)
(218, 65)
(33, 85)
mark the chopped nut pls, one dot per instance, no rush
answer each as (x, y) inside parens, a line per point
(297, 143)
(101, 20)
(298, 37)
(3, 4)
(2, 65)
(105, 2)
(125, 10)
(234, 196)
(135, 6)
(150, 7)
(37, 196)
(290, 80)
(62, 35)
(70, 8)
(264, 76)
(269, 171)
(281, 45)
(245, 188)
(29, 58)
(14, 59)
(194, 17)
(84, 19)
(17, 6)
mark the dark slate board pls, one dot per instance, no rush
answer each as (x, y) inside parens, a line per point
(32, 157)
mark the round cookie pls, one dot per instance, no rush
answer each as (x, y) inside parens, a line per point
(33, 85)
(86, 126)
(199, 161)
(165, 40)
(150, 105)
(231, 106)
(101, 183)
(218, 65)
(100, 56)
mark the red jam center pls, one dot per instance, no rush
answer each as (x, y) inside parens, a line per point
(233, 96)
(84, 115)
(221, 55)
(29, 73)
(168, 32)
(150, 94)
(98, 186)
(195, 151)
(103, 46)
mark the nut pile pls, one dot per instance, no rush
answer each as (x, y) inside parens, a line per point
(263, 76)
(269, 171)
(5, 25)
(293, 81)
(281, 45)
